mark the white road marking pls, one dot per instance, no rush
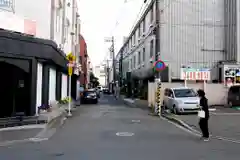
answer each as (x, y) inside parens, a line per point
(212, 109)
(136, 121)
(225, 114)
(124, 134)
(38, 139)
(36, 126)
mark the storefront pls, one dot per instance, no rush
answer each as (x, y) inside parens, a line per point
(31, 71)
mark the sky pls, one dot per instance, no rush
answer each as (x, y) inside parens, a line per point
(104, 18)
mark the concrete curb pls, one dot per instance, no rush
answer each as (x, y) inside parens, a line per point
(52, 126)
(175, 120)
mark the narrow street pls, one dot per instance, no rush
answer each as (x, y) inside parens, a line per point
(91, 135)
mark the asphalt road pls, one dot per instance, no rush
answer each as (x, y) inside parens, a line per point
(91, 135)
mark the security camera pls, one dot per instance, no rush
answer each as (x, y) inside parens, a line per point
(151, 61)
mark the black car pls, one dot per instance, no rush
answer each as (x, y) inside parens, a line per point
(89, 96)
(233, 98)
(106, 91)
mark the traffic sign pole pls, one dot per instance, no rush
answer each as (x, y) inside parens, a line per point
(70, 71)
(69, 95)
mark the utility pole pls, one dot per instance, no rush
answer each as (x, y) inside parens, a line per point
(112, 52)
(157, 34)
(114, 61)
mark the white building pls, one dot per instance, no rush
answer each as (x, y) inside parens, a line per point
(100, 73)
(191, 33)
(56, 20)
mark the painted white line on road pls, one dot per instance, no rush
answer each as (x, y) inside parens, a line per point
(212, 109)
(41, 126)
(225, 114)
(124, 134)
(38, 139)
(198, 134)
(7, 143)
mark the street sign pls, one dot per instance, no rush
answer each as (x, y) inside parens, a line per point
(195, 74)
(70, 68)
(71, 57)
(159, 65)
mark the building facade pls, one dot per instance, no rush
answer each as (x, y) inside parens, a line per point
(50, 27)
(191, 34)
(84, 61)
(100, 73)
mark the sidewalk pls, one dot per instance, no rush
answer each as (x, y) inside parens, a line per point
(53, 119)
(223, 122)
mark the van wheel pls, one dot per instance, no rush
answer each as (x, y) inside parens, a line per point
(230, 104)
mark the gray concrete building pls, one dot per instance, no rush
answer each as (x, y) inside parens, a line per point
(191, 34)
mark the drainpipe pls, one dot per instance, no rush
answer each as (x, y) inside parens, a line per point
(73, 28)
(52, 20)
(63, 24)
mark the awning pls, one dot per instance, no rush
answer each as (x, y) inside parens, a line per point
(21, 44)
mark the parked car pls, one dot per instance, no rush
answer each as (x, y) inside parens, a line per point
(98, 92)
(89, 96)
(106, 91)
(100, 88)
(181, 100)
(233, 98)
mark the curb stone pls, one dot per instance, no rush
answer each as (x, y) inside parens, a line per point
(179, 122)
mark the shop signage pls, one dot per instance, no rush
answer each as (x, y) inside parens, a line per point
(195, 74)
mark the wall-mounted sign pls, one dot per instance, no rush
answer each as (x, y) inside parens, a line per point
(195, 74)
(7, 5)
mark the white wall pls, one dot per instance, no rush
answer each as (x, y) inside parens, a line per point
(52, 85)
(64, 86)
(38, 10)
(39, 86)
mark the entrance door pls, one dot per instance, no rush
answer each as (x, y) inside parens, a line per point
(14, 90)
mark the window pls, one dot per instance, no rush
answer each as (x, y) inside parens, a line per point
(143, 55)
(143, 25)
(151, 14)
(139, 57)
(179, 93)
(130, 64)
(134, 62)
(151, 48)
(58, 20)
(139, 31)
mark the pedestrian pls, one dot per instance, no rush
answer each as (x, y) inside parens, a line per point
(203, 122)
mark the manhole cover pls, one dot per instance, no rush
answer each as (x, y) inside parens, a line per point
(125, 134)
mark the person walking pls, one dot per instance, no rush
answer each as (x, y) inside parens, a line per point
(203, 122)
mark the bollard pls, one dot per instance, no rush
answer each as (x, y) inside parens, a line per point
(158, 99)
